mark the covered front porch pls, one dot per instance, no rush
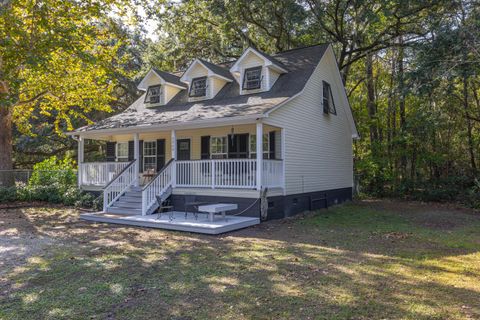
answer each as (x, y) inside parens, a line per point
(225, 157)
(143, 169)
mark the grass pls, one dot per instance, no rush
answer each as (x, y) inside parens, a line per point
(367, 260)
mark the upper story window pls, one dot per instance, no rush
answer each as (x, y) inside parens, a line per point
(252, 78)
(328, 103)
(198, 87)
(153, 94)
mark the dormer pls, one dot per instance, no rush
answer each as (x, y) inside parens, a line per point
(256, 71)
(204, 80)
(160, 87)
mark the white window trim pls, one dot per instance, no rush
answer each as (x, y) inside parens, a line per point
(117, 157)
(149, 156)
(266, 151)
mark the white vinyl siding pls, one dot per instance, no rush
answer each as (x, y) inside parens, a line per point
(318, 147)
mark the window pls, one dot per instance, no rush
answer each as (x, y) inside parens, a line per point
(218, 147)
(328, 103)
(122, 151)
(149, 155)
(252, 78)
(253, 146)
(153, 94)
(198, 87)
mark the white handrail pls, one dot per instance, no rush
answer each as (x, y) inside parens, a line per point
(99, 173)
(157, 186)
(228, 173)
(119, 185)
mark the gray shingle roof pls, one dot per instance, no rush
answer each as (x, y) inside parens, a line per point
(300, 64)
(170, 78)
(217, 69)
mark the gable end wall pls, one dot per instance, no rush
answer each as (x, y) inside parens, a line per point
(318, 147)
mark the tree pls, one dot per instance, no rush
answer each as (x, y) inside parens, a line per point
(56, 59)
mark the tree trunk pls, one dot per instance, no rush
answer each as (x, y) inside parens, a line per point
(6, 151)
(401, 89)
(371, 99)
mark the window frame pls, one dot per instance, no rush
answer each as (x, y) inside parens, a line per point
(191, 93)
(328, 102)
(253, 153)
(148, 96)
(245, 80)
(219, 155)
(123, 158)
(149, 156)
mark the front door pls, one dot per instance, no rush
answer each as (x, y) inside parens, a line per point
(183, 149)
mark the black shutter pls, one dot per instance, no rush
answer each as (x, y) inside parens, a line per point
(243, 146)
(205, 147)
(111, 151)
(326, 97)
(131, 151)
(160, 154)
(140, 150)
(272, 144)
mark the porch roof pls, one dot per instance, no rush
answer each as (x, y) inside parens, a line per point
(228, 103)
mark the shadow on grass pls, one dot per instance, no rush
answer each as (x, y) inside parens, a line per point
(295, 270)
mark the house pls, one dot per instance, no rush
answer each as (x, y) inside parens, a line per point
(270, 133)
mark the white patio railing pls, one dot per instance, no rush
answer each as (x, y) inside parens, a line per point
(228, 173)
(115, 188)
(272, 174)
(99, 173)
(157, 186)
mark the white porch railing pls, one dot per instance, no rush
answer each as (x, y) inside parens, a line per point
(157, 186)
(99, 173)
(272, 174)
(228, 173)
(115, 188)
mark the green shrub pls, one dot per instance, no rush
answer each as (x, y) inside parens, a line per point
(8, 194)
(54, 171)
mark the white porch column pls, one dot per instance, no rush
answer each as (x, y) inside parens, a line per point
(174, 157)
(80, 159)
(259, 154)
(136, 155)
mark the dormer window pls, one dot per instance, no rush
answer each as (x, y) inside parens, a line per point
(252, 78)
(153, 94)
(328, 103)
(198, 87)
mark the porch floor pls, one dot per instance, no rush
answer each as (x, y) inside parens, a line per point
(179, 223)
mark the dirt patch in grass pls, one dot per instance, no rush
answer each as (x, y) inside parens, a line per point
(367, 260)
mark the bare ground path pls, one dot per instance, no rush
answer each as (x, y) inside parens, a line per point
(366, 260)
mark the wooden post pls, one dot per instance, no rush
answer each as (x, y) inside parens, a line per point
(259, 155)
(136, 155)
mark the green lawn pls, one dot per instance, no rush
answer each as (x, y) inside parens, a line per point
(367, 260)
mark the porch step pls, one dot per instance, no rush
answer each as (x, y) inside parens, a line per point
(122, 203)
(133, 194)
(131, 199)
